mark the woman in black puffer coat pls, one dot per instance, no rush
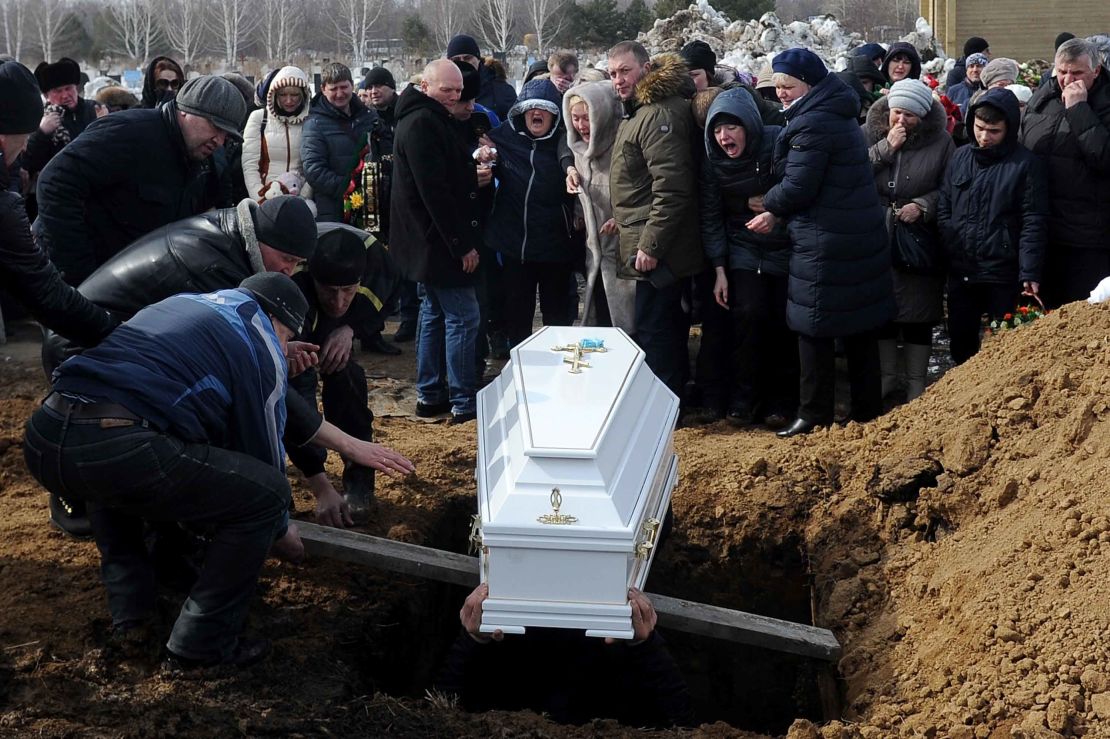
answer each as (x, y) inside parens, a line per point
(839, 278)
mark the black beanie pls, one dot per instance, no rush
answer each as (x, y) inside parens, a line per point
(975, 45)
(1062, 39)
(698, 55)
(22, 108)
(280, 297)
(340, 256)
(472, 82)
(285, 223)
(65, 71)
(463, 44)
(379, 76)
(727, 119)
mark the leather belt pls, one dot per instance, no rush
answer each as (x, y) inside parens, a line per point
(79, 411)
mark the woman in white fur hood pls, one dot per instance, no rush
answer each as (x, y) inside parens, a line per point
(272, 140)
(592, 111)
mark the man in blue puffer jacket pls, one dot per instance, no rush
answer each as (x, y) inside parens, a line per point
(750, 267)
(839, 284)
(530, 225)
(993, 216)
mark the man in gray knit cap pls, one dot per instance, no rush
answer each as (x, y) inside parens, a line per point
(136, 171)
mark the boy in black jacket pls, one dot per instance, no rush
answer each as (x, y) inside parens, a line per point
(992, 214)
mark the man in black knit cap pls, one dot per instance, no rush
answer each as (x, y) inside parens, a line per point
(974, 45)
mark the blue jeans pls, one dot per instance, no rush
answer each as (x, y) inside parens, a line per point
(448, 315)
(128, 474)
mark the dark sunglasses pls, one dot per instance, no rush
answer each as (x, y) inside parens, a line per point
(166, 84)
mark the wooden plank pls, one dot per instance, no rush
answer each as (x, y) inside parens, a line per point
(674, 613)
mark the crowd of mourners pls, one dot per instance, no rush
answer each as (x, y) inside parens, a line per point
(198, 253)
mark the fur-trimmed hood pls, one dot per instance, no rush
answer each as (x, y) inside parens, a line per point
(667, 77)
(932, 125)
(288, 77)
(605, 115)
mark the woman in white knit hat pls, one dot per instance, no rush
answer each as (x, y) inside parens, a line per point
(272, 140)
(909, 150)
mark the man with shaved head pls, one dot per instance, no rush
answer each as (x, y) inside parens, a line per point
(435, 238)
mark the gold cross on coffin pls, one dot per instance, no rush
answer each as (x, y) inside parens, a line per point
(576, 360)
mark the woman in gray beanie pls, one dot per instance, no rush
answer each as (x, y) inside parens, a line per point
(909, 150)
(1000, 72)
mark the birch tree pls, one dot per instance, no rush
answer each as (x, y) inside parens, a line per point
(50, 18)
(14, 14)
(354, 20)
(280, 21)
(184, 28)
(135, 25)
(233, 21)
(498, 23)
(546, 18)
(448, 17)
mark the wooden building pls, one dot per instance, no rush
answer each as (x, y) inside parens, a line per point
(1019, 29)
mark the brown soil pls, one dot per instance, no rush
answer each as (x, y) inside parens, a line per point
(959, 547)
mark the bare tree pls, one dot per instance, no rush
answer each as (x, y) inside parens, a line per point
(14, 13)
(184, 28)
(135, 25)
(233, 21)
(498, 22)
(354, 20)
(448, 17)
(50, 17)
(546, 18)
(280, 19)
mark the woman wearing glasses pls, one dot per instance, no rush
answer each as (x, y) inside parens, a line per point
(164, 77)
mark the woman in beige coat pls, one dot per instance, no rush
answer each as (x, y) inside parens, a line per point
(593, 112)
(272, 140)
(909, 148)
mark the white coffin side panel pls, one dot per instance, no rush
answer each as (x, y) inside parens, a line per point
(604, 439)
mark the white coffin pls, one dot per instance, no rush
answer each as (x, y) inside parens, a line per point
(599, 443)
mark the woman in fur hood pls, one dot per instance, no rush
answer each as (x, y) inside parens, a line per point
(593, 112)
(272, 140)
(909, 148)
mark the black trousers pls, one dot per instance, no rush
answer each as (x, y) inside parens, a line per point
(663, 331)
(712, 367)
(967, 303)
(766, 351)
(521, 280)
(817, 389)
(129, 473)
(1071, 274)
(344, 397)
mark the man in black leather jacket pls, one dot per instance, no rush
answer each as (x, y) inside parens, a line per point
(214, 251)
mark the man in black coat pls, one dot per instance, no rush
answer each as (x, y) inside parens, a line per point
(991, 213)
(974, 45)
(25, 271)
(435, 238)
(134, 171)
(202, 254)
(1067, 125)
(67, 113)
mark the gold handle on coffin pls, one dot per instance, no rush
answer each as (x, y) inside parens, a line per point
(371, 186)
(650, 532)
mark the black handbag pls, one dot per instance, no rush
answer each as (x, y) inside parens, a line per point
(915, 247)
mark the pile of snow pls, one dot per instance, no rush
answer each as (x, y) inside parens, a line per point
(749, 45)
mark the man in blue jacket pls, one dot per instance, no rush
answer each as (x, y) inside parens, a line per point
(178, 416)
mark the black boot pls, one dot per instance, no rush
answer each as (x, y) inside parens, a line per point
(405, 332)
(800, 426)
(69, 516)
(378, 345)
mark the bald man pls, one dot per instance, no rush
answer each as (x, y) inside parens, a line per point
(435, 238)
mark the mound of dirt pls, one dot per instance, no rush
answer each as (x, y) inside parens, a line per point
(960, 545)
